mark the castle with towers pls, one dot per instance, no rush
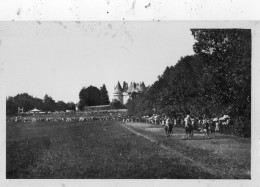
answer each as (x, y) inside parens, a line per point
(123, 94)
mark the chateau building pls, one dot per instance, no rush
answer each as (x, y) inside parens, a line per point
(123, 94)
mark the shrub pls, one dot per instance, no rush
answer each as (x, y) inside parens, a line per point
(117, 104)
(242, 127)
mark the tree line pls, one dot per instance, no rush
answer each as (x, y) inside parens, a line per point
(90, 96)
(214, 81)
(28, 102)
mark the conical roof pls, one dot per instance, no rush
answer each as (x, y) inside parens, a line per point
(142, 87)
(125, 86)
(136, 87)
(118, 89)
(130, 88)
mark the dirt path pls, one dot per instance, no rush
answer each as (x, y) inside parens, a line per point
(175, 153)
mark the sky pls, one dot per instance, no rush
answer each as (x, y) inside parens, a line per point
(60, 58)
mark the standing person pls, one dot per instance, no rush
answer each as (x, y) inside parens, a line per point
(217, 126)
(192, 125)
(162, 121)
(200, 123)
(175, 122)
(205, 123)
(187, 123)
(167, 121)
(211, 126)
(168, 126)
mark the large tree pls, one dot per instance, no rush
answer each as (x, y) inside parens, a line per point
(228, 71)
(228, 68)
(25, 100)
(89, 97)
(49, 103)
(71, 106)
(61, 106)
(104, 99)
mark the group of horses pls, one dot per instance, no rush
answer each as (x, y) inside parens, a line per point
(204, 124)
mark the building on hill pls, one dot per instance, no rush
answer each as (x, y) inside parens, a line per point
(123, 94)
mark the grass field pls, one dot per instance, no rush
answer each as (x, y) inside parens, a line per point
(113, 149)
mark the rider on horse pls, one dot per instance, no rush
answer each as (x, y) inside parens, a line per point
(168, 126)
(188, 126)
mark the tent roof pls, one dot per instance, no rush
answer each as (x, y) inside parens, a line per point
(35, 110)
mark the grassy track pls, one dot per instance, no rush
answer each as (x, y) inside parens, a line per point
(109, 150)
(226, 156)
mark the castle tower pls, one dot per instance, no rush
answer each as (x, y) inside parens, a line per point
(125, 94)
(142, 87)
(125, 86)
(130, 88)
(137, 87)
(118, 92)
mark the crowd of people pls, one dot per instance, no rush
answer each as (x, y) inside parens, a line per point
(189, 122)
(66, 117)
(203, 124)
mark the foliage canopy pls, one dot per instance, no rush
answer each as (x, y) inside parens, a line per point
(214, 81)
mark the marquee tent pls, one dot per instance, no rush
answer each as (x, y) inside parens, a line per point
(35, 110)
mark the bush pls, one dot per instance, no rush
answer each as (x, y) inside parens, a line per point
(242, 127)
(117, 104)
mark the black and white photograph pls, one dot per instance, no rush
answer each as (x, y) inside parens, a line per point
(133, 100)
(102, 99)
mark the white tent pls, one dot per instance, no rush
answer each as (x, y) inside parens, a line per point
(215, 119)
(224, 117)
(35, 110)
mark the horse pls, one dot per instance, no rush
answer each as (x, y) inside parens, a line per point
(188, 130)
(188, 127)
(168, 129)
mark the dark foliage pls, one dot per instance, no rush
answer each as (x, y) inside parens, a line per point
(115, 104)
(139, 105)
(11, 106)
(71, 106)
(28, 102)
(49, 103)
(61, 106)
(89, 96)
(104, 99)
(92, 96)
(214, 81)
